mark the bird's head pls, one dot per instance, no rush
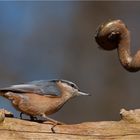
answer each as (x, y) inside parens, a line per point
(70, 88)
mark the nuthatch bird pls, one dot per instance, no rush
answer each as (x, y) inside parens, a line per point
(41, 98)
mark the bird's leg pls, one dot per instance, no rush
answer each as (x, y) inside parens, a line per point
(54, 122)
(21, 115)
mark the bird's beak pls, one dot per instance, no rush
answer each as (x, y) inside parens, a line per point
(82, 93)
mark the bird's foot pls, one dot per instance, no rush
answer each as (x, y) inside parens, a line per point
(33, 118)
(53, 122)
(54, 125)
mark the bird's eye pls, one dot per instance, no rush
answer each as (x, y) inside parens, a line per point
(72, 85)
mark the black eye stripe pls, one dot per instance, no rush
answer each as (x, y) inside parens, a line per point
(69, 83)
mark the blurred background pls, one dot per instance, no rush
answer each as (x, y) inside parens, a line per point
(49, 40)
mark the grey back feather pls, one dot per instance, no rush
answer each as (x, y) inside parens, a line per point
(42, 87)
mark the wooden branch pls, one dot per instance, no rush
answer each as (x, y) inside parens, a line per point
(127, 128)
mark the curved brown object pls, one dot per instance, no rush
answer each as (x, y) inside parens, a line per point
(114, 34)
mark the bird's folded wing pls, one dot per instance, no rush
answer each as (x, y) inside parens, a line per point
(39, 87)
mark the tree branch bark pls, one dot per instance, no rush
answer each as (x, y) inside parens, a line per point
(127, 128)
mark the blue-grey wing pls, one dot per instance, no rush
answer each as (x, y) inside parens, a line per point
(39, 87)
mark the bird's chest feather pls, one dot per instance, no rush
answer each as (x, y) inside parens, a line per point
(44, 104)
